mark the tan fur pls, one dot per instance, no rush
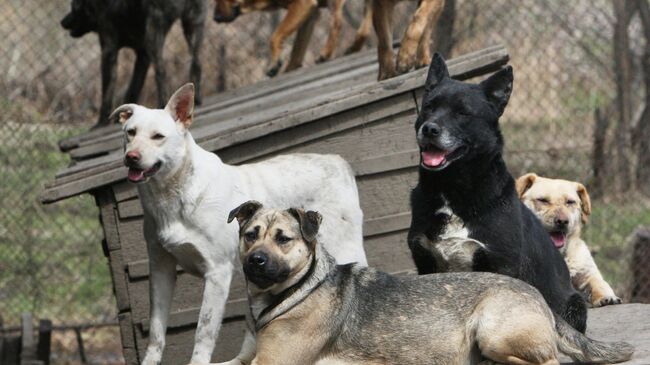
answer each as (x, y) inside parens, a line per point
(301, 17)
(516, 334)
(414, 50)
(557, 194)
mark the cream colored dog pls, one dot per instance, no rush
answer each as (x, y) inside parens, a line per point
(563, 207)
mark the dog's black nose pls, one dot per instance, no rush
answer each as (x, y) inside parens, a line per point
(561, 222)
(431, 129)
(258, 259)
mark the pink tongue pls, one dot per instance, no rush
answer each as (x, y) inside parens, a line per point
(558, 239)
(433, 158)
(136, 175)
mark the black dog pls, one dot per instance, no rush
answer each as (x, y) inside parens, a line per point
(465, 189)
(141, 25)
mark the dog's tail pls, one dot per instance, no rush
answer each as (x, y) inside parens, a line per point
(584, 349)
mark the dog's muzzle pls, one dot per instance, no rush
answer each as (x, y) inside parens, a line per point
(70, 23)
(437, 148)
(262, 271)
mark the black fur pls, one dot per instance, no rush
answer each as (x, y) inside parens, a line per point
(461, 121)
(141, 25)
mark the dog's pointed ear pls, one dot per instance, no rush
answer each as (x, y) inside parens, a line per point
(498, 88)
(585, 202)
(309, 222)
(181, 105)
(524, 183)
(244, 212)
(437, 72)
(122, 113)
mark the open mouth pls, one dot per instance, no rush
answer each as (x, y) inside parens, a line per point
(137, 175)
(436, 159)
(558, 238)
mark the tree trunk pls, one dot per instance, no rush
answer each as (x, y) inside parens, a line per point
(599, 160)
(622, 71)
(642, 129)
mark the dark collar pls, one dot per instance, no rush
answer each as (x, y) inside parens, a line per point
(284, 301)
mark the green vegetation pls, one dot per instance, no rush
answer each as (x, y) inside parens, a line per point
(51, 262)
(608, 231)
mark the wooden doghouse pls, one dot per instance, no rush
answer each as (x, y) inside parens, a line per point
(336, 107)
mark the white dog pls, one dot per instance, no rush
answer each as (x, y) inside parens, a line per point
(186, 194)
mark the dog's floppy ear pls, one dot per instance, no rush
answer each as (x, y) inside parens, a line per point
(309, 222)
(585, 202)
(181, 105)
(498, 88)
(244, 212)
(437, 72)
(122, 113)
(524, 183)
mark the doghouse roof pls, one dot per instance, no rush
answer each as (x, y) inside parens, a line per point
(266, 107)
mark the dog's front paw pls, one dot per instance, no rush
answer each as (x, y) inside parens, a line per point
(275, 69)
(386, 74)
(608, 300)
(405, 66)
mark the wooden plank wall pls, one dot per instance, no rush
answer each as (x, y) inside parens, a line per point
(378, 140)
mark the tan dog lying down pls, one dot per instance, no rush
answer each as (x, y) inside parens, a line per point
(563, 207)
(309, 311)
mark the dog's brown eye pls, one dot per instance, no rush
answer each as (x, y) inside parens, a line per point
(250, 236)
(283, 239)
(157, 136)
(542, 200)
(570, 202)
(130, 132)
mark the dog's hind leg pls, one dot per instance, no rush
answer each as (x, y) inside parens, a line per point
(109, 76)
(140, 68)
(382, 20)
(162, 267)
(298, 12)
(428, 11)
(156, 30)
(215, 294)
(193, 30)
(575, 312)
(364, 29)
(520, 333)
(424, 47)
(335, 29)
(301, 42)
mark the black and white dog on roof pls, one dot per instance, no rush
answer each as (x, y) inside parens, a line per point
(465, 211)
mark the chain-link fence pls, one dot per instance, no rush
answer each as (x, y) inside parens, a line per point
(574, 114)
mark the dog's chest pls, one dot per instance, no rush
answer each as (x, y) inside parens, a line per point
(452, 248)
(452, 225)
(188, 232)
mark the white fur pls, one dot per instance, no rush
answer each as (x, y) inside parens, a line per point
(186, 205)
(454, 250)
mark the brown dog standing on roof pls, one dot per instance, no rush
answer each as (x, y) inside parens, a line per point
(563, 207)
